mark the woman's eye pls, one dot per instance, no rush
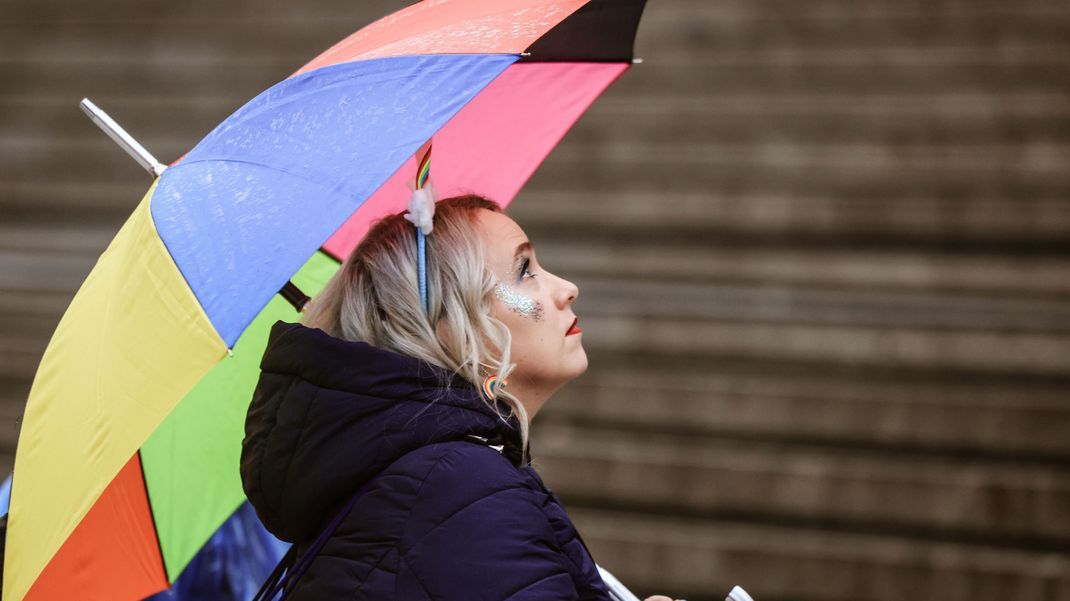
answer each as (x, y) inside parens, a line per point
(525, 269)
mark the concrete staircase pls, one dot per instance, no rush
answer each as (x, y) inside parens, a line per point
(823, 251)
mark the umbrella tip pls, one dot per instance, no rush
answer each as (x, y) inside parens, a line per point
(122, 138)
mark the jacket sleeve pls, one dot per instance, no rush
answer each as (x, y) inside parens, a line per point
(478, 531)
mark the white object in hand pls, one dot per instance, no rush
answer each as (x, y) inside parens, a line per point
(618, 591)
(738, 594)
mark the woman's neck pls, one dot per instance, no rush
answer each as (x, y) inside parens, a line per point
(532, 395)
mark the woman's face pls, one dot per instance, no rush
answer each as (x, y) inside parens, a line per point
(537, 307)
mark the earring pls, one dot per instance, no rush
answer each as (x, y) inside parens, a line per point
(491, 384)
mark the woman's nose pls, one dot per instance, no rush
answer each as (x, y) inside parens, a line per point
(567, 292)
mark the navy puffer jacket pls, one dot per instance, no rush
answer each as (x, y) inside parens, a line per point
(443, 517)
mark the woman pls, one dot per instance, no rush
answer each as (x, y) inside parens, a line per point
(419, 419)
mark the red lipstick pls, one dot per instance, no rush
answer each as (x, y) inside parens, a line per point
(574, 328)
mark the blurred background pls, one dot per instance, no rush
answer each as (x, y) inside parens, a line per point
(823, 251)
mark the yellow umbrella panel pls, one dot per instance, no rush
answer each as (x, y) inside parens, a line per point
(130, 346)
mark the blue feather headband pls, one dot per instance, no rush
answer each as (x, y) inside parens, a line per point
(422, 214)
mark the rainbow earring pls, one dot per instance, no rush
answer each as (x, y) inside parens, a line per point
(491, 384)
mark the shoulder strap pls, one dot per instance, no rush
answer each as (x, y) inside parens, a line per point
(291, 568)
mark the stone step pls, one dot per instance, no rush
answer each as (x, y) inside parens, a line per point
(657, 259)
(35, 272)
(60, 146)
(821, 10)
(860, 347)
(637, 119)
(53, 10)
(181, 118)
(20, 355)
(681, 27)
(56, 237)
(643, 299)
(966, 107)
(134, 13)
(839, 171)
(854, 489)
(33, 202)
(31, 306)
(713, 218)
(95, 76)
(36, 204)
(11, 409)
(987, 82)
(700, 559)
(183, 43)
(807, 403)
(84, 160)
(1002, 162)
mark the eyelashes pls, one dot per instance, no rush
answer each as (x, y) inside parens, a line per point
(524, 269)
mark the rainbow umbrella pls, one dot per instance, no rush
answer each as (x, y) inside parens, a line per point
(128, 455)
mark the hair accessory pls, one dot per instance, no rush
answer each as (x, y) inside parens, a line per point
(422, 214)
(491, 384)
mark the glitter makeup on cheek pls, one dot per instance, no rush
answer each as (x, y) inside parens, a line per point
(518, 303)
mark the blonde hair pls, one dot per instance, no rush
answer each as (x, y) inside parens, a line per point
(374, 298)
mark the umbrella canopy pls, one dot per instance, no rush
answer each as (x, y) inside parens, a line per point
(127, 459)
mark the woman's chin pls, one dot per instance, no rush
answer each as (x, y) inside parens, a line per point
(580, 364)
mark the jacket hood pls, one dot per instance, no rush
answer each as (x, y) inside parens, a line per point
(328, 415)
